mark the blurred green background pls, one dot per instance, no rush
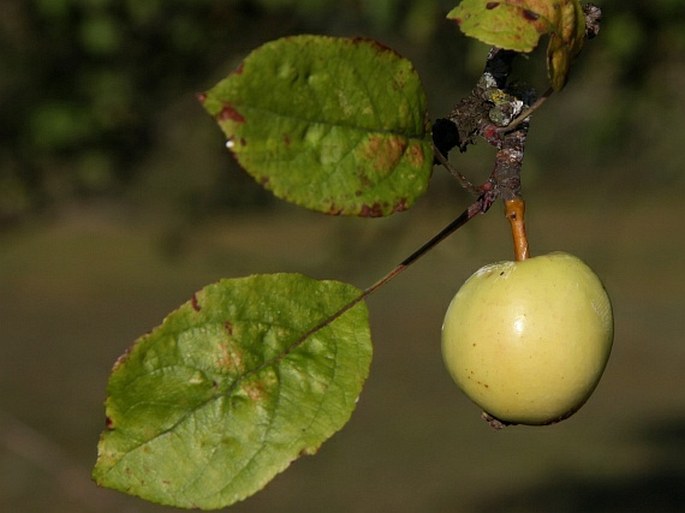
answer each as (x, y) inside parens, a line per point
(118, 200)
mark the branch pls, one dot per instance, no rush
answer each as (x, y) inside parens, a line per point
(491, 102)
(527, 112)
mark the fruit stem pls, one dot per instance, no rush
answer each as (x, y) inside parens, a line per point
(514, 212)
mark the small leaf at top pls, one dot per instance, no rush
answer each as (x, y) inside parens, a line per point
(332, 124)
(518, 25)
(509, 24)
(231, 388)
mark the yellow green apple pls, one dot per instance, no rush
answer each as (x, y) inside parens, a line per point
(528, 341)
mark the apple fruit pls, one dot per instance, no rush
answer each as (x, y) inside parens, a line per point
(528, 341)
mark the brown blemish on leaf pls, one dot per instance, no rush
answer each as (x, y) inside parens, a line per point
(401, 205)
(530, 15)
(376, 44)
(255, 391)
(194, 303)
(228, 359)
(375, 210)
(121, 360)
(228, 326)
(492, 5)
(383, 153)
(239, 69)
(109, 423)
(399, 81)
(229, 113)
(334, 210)
(202, 97)
(415, 155)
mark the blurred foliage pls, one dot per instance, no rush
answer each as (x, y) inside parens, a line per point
(90, 89)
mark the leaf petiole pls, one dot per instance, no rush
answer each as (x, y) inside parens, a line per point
(481, 205)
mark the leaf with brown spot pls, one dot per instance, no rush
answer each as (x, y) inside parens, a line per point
(509, 24)
(518, 25)
(331, 124)
(213, 403)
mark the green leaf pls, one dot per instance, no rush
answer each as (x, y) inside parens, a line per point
(509, 24)
(231, 388)
(332, 124)
(518, 25)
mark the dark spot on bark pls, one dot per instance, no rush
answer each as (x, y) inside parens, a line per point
(593, 17)
(194, 303)
(228, 113)
(491, 5)
(530, 15)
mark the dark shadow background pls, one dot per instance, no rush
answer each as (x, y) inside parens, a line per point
(658, 486)
(118, 200)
